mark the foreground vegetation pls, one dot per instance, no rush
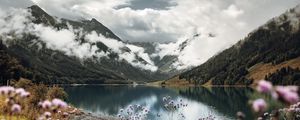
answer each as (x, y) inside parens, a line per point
(30, 101)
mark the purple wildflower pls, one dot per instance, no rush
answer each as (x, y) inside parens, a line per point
(16, 108)
(288, 94)
(47, 114)
(259, 105)
(46, 104)
(264, 86)
(6, 90)
(59, 103)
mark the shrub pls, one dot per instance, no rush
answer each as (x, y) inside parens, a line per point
(23, 83)
(57, 92)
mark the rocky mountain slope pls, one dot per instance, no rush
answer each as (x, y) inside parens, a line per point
(275, 45)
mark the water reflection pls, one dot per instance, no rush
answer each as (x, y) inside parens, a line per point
(227, 100)
(221, 102)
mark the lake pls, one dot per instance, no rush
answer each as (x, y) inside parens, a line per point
(221, 102)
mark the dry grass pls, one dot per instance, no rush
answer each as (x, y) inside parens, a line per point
(259, 71)
(208, 83)
(173, 82)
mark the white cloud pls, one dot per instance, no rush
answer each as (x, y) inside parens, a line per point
(12, 23)
(15, 22)
(117, 46)
(228, 20)
(233, 11)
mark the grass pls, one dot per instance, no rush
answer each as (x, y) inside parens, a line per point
(173, 82)
(259, 71)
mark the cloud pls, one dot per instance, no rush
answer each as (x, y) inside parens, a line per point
(131, 57)
(153, 4)
(12, 23)
(6, 4)
(16, 22)
(139, 20)
(233, 11)
(175, 22)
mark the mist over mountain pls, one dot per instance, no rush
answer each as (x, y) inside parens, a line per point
(270, 52)
(65, 51)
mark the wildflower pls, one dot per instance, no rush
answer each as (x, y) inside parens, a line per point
(6, 90)
(164, 99)
(288, 94)
(24, 94)
(291, 97)
(274, 95)
(59, 103)
(264, 86)
(47, 114)
(16, 108)
(46, 104)
(259, 105)
(19, 90)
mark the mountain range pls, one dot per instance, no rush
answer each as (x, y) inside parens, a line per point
(60, 51)
(43, 64)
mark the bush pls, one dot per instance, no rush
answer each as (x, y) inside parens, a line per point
(57, 92)
(23, 83)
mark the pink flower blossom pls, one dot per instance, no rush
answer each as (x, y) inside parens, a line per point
(16, 108)
(291, 97)
(46, 104)
(293, 88)
(264, 86)
(19, 90)
(274, 95)
(259, 105)
(288, 94)
(47, 114)
(22, 93)
(6, 90)
(59, 103)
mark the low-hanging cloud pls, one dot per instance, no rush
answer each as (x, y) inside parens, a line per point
(15, 22)
(228, 21)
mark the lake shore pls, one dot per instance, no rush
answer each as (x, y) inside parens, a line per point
(90, 116)
(184, 83)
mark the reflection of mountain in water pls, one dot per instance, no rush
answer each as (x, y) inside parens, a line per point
(226, 100)
(112, 98)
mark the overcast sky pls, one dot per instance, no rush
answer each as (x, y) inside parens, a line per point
(166, 20)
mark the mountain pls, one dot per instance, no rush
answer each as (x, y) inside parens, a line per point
(36, 61)
(41, 17)
(164, 64)
(270, 52)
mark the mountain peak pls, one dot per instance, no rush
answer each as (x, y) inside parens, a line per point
(41, 16)
(94, 20)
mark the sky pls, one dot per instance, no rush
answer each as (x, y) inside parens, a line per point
(168, 20)
(219, 23)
